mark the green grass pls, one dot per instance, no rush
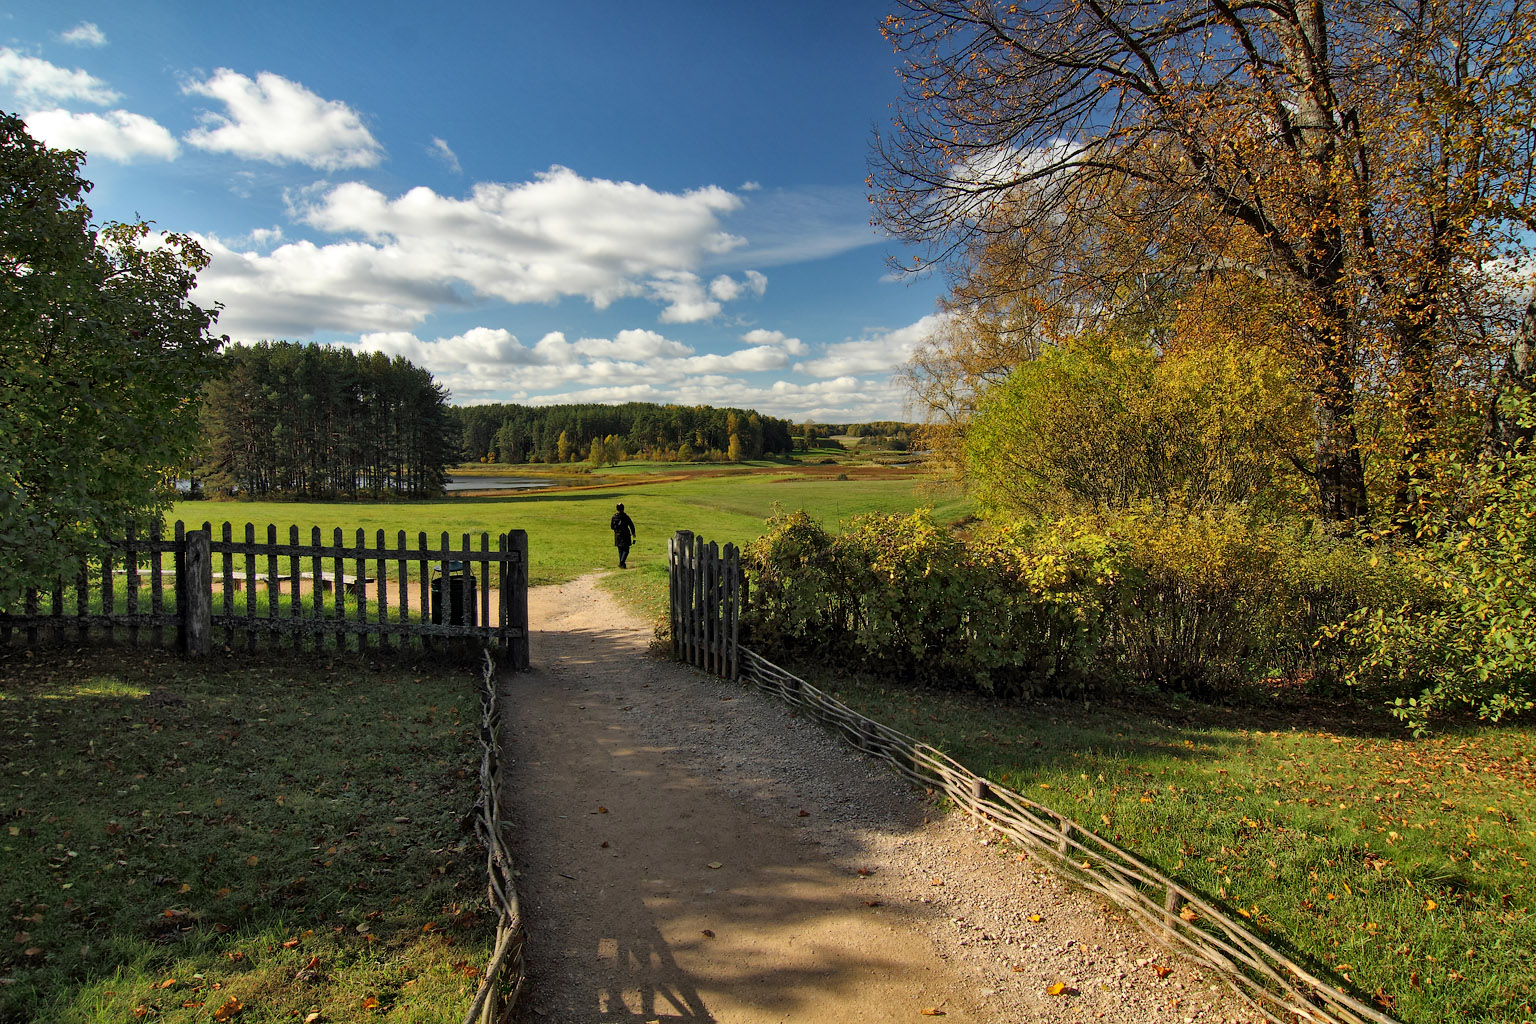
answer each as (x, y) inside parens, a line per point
(568, 532)
(1397, 868)
(179, 834)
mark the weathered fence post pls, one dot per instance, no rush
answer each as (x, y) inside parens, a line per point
(195, 597)
(677, 551)
(520, 657)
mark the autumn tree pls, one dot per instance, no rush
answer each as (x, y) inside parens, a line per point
(101, 360)
(1367, 162)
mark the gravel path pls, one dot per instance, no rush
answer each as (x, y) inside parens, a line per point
(689, 850)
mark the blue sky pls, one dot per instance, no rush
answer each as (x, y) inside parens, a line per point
(601, 201)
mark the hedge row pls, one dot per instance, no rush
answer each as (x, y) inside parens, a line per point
(1190, 601)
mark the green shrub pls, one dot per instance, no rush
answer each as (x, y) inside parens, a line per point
(1197, 601)
(1466, 632)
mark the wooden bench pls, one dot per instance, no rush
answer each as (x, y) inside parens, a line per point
(327, 581)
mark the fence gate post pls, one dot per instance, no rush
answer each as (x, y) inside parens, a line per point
(520, 656)
(681, 543)
(195, 598)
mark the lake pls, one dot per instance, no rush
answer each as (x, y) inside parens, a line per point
(494, 483)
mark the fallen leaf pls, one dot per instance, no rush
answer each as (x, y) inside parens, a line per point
(602, 810)
(167, 983)
(1188, 914)
(1162, 972)
(252, 860)
(313, 1018)
(228, 1009)
(707, 933)
(604, 846)
(1035, 918)
(33, 951)
(933, 1011)
(22, 938)
(716, 864)
(1383, 999)
(1061, 988)
(1018, 970)
(290, 943)
(866, 872)
(805, 814)
(936, 881)
(873, 903)
(371, 1003)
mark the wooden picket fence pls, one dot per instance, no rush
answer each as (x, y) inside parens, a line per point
(1275, 986)
(194, 586)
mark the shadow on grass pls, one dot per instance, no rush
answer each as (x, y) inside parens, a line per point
(281, 832)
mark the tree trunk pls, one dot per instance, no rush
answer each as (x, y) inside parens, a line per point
(1416, 392)
(1340, 469)
(1504, 436)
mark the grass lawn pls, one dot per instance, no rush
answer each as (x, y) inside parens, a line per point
(185, 840)
(568, 528)
(1397, 868)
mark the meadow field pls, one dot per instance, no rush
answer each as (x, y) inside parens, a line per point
(1396, 868)
(567, 525)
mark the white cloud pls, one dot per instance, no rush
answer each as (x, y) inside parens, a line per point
(727, 289)
(280, 121)
(492, 364)
(116, 135)
(880, 351)
(757, 359)
(684, 294)
(791, 226)
(300, 288)
(632, 345)
(265, 238)
(450, 159)
(85, 34)
(749, 186)
(794, 346)
(34, 80)
(537, 241)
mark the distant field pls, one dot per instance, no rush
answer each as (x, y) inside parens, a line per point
(568, 525)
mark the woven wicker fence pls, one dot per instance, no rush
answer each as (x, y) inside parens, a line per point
(1280, 989)
(504, 975)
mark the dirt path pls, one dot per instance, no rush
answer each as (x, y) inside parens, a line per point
(690, 851)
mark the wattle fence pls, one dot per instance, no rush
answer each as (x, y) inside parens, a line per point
(193, 589)
(708, 591)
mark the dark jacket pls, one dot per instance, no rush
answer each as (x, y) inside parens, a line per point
(623, 529)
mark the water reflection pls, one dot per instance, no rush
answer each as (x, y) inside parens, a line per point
(495, 483)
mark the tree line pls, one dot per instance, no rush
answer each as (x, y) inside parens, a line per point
(313, 421)
(518, 434)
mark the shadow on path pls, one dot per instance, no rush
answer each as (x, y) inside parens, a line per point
(652, 888)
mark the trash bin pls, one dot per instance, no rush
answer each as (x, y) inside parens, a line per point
(453, 592)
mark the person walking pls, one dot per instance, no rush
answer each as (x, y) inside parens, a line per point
(623, 533)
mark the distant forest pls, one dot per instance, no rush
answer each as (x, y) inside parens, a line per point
(312, 421)
(292, 420)
(515, 434)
